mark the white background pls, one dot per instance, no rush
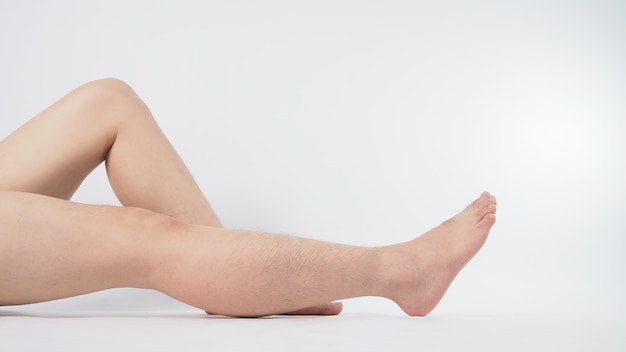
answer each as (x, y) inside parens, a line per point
(368, 122)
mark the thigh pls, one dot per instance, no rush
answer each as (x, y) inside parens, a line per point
(53, 248)
(53, 152)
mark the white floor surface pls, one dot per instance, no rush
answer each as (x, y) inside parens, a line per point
(193, 331)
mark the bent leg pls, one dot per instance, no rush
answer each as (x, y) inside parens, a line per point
(103, 120)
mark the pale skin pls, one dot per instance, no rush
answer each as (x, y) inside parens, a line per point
(166, 236)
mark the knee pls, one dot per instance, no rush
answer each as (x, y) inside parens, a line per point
(109, 85)
(108, 95)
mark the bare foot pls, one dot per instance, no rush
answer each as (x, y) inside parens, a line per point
(421, 270)
(331, 308)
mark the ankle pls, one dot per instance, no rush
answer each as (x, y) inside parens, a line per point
(395, 272)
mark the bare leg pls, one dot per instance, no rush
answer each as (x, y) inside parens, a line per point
(106, 121)
(294, 272)
(103, 120)
(76, 248)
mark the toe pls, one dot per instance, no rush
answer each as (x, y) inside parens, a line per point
(489, 207)
(481, 202)
(487, 221)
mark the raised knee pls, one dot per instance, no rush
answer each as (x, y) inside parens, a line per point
(106, 104)
(110, 84)
(110, 90)
(107, 92)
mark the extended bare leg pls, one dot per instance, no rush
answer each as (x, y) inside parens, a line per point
(53, 248)
(259, 274)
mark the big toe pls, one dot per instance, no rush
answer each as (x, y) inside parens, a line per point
(485, 203)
